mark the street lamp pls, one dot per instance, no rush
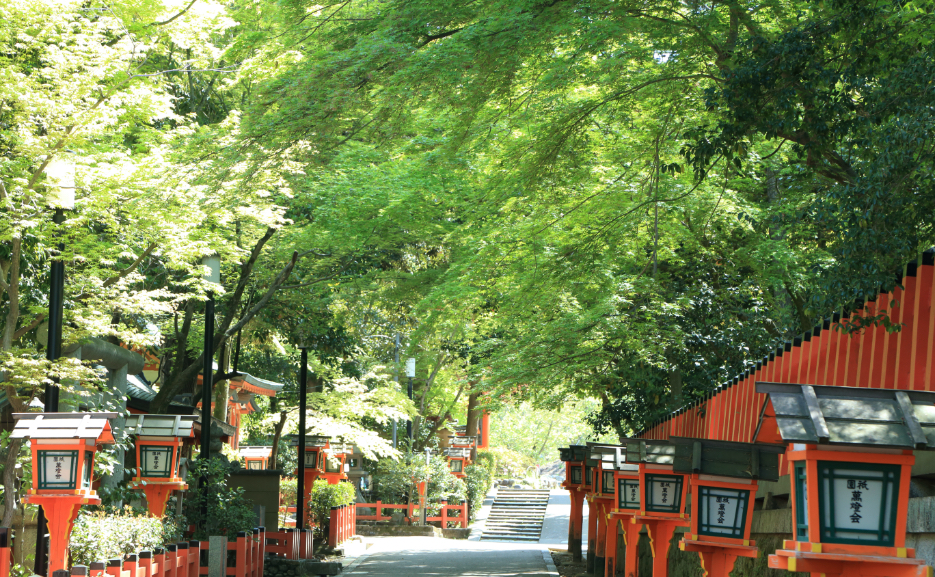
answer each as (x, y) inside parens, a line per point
(60, 183)
(300, 474)
(410, 372)
(213, 275)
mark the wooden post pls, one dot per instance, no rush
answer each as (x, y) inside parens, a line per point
(97, 569)
(631, 533)
(575, 523)
(6, 550)
(610, 547)
(600, 513)
(146, 564)
(114, 567)
(242, 556)
(592, 535)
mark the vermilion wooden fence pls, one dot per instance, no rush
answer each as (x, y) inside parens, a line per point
(461, 518)
(180, 559)
(872, 358)
(343, 524)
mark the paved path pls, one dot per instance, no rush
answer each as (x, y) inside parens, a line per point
(555, 527)
(405, 556)
(428, 556)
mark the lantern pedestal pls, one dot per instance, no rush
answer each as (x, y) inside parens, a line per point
(631, 540)
(575, 523)
(717, 559)
(157, 494)
(61, 512)
(839, 564)
(660, 530)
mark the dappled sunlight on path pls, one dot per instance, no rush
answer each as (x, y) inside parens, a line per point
(403, 556)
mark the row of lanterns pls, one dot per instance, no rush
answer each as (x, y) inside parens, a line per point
(849, 455)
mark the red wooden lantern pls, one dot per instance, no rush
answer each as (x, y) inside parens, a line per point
(663, 495)
(323, 460)
(724, 480)
(850, 456)
(574, 457)
(63, 447)
(255, 458)
(158, 449)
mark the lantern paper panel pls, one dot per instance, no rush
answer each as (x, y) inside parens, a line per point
(723, 511)
(576, 475)
(332, 465)
(156, 460)
(87, 469)
(58, 469)
(801, 502)
(858, 502)
(628, 493)
(311, 459)
(456, 466)
(607, 482)
(664, 493)
(254, 465)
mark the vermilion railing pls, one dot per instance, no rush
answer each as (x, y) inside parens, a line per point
(461, 518)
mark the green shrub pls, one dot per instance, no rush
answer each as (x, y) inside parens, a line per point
(478, 480)
(228, 510)
(510, 464)
(288, 489)
(101, 535)
(488, 460)
(325, 496)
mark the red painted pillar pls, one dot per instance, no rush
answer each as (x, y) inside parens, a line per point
(592, 535)
(6, 538)
(575, 523)
(660, 534)
(610, 547)
(631, 534)
(601, 511)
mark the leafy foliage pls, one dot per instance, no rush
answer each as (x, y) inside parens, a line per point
(102, 535)
(323, 497)
(228, 510)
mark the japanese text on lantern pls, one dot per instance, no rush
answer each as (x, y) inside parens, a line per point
(857, 488)
(722, 508)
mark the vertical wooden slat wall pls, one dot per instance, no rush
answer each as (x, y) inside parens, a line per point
(873, 357)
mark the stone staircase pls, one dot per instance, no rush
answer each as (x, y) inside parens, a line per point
(516, 515)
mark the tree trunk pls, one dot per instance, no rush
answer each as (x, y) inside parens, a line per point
(276, 437)
(10, 500)
(223, 390)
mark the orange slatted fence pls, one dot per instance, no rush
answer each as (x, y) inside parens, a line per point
(178, 560)
(445, 516)
(871, 358)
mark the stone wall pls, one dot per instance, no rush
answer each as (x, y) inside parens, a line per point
(261, 487)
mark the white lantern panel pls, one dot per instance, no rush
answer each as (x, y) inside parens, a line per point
(628, 493)
(858, 502)
(664, 493)
(57, 469)
(311, 459)
(156, 461)
(723, 512)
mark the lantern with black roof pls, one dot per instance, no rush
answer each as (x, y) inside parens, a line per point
(849, 453)
(663, 493)
(159, 439)
(601, 502)
(724, 480)
(628, 501)
(574, 457)
(63, 447)
(325, 458)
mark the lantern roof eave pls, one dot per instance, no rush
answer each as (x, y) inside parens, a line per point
(64, 426)
(727, 458)
(846, 416)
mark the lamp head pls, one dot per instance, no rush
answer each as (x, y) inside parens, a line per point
(213, 262)
(60, 174)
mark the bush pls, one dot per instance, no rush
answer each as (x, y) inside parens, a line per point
(101, 535)
(228, 510)
(509, 463)
(288, 489)
(488, 460)
(478, 480)
(325, 496)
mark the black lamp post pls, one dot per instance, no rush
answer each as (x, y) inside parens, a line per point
(60, 173)
(213, 262)
(303, 401)
(410, 372)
